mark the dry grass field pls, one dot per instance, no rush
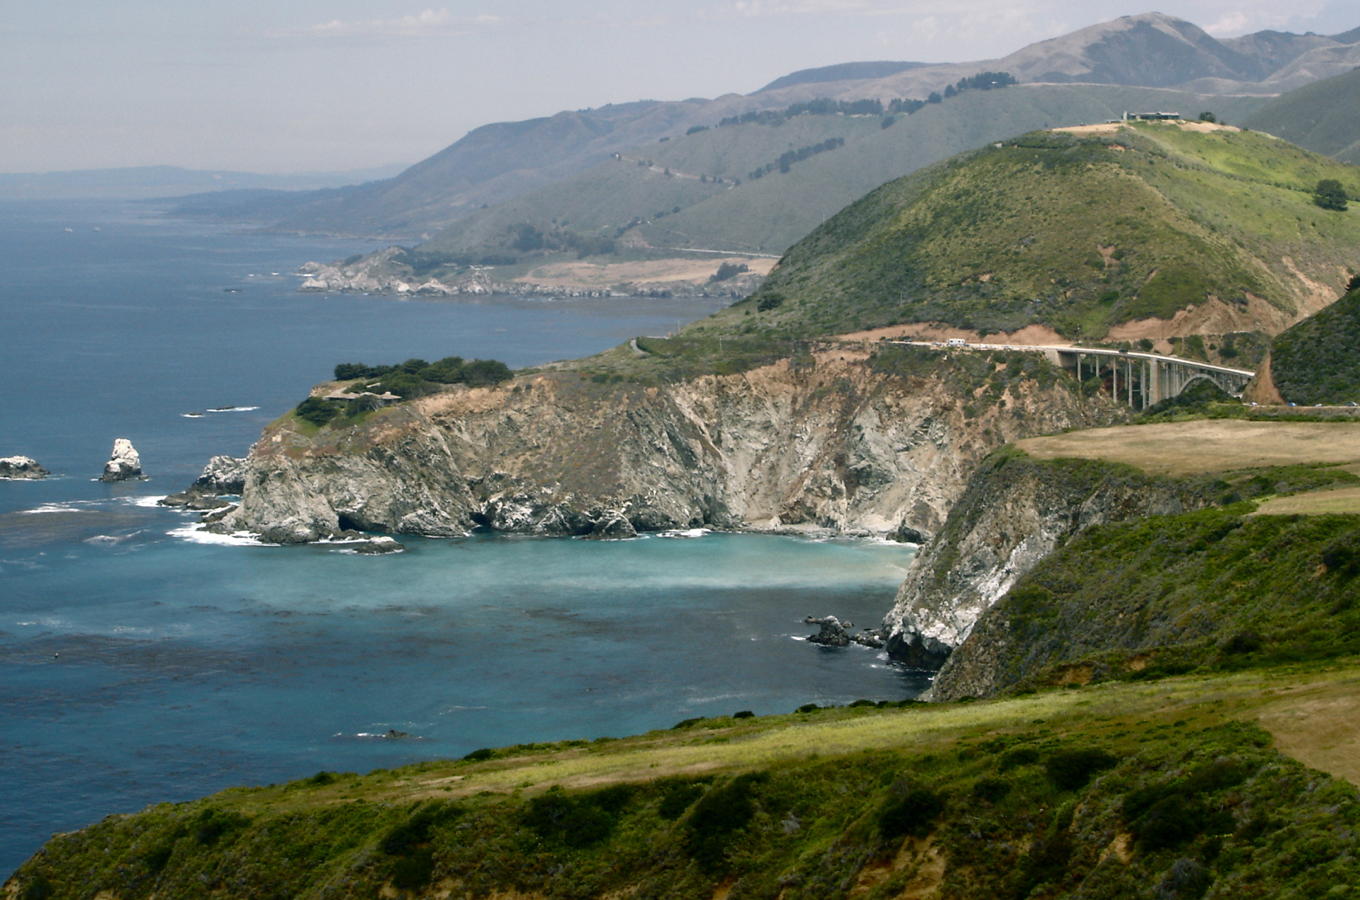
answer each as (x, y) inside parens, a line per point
(1205, 446)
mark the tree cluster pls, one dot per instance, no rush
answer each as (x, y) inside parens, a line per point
(525, 237)
(1329, 194)
(789, 157)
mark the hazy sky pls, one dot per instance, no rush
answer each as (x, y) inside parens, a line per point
(308, 85)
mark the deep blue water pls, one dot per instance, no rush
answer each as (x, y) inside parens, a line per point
(139, 666)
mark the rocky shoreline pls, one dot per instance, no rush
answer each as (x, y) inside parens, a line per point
(383, 273)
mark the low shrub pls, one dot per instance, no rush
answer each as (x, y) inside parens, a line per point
(1070, 770)
(913, 814)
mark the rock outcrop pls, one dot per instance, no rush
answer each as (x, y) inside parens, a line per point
(25, 467)
(831, 633)
(124, 463)
(1014, 512)
(222, 476)
(829, 443)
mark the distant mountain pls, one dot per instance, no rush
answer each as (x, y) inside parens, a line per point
(1323, 116)
(851, 71)
(148, 182)
(497, 163)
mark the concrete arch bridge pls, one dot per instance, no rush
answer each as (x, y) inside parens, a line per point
(1139, 379)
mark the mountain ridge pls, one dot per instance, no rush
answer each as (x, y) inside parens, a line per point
(499, 161)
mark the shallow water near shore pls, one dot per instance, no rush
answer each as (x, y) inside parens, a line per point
(138, 665)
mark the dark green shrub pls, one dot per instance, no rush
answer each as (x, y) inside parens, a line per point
(36, 887)
(720, 812)
(913, 814)
(213, 824)
(573, 821)
(413, 872)
(743, 714)
(768, 301)
(448, 370)
(808, 707)
(676, 797)
(1171, 821)
(990, 790)
(318, 411)
(483, 372)
(1243, 642)
(321, 778)
(1070, 770)
(480, 754)
(1020, 756)
(1330, 194)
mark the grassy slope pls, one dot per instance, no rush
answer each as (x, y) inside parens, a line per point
(1207, 590)
(1109, 791)
(1323, 116)
(1009, 236)
(1318, 360)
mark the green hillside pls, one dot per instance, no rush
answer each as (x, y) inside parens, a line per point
(1318, 360)
(1077, 231)
(1323, 116)
(1168, 789)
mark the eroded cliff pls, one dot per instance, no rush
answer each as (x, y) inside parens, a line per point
(1014, 512)
(847, 438)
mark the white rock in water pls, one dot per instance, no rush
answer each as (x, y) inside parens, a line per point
(124, 463)
(21, 467)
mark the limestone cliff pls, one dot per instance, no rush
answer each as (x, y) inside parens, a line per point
(833, 440)
(1014, 512)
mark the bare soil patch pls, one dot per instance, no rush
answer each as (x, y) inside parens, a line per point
(1188, 448)
(1029, 336)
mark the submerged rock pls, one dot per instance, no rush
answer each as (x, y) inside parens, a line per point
(124, 464)
(21, 467)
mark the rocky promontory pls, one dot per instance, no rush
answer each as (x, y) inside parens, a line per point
(124, 462)
(833, 442)
(21, 467)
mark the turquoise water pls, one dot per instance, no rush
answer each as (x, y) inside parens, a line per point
(137, 665)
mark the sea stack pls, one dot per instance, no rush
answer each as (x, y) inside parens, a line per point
(21, 467)
(124, 463)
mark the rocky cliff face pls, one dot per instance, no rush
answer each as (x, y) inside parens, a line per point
(828, 442)
(1014, 512)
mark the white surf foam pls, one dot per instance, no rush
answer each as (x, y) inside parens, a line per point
(197, 534)
(53, 508)
(686, 533)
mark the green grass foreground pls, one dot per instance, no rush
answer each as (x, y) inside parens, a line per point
(1168, 789)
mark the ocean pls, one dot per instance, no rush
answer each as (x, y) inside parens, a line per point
(142, 662)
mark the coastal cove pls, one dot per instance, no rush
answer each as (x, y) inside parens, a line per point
(139, 663)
